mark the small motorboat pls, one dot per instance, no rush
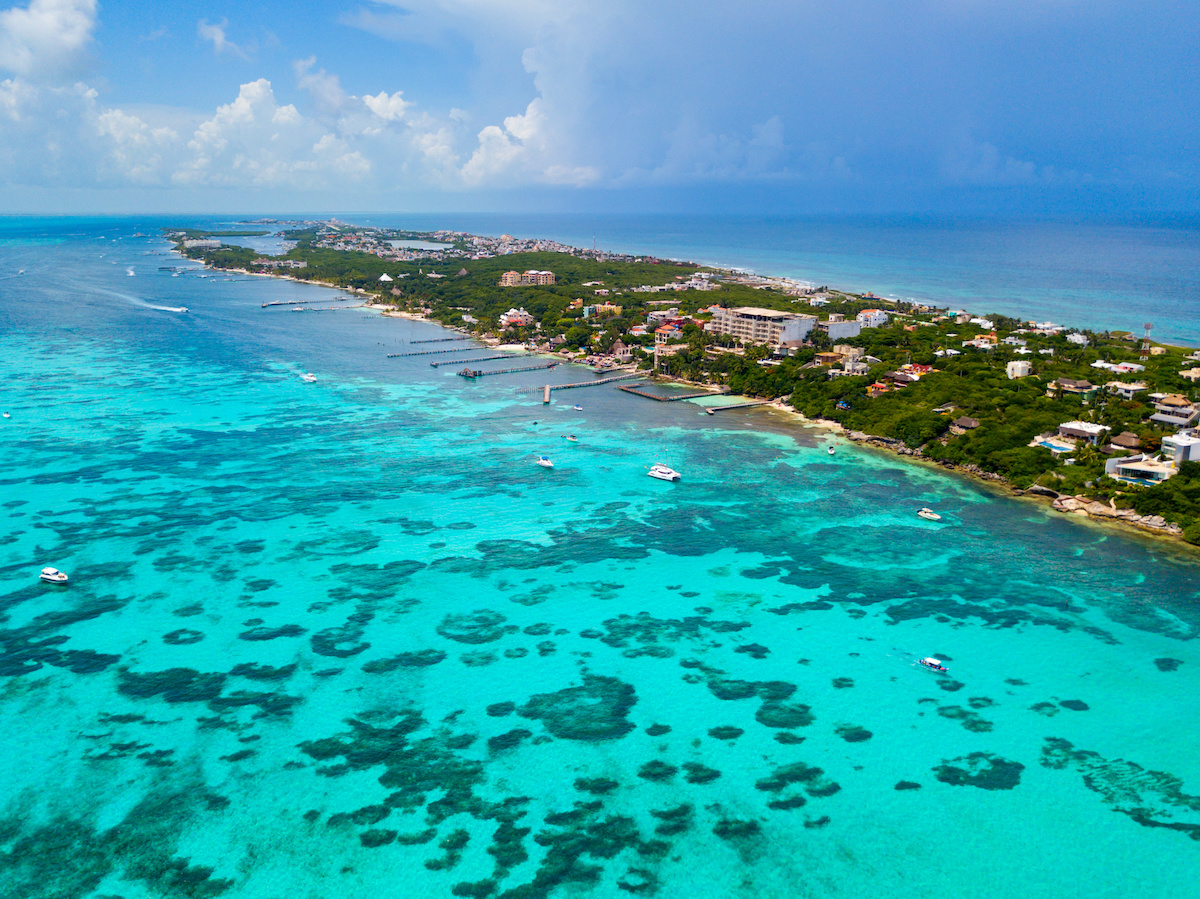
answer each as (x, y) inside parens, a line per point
(663, 473)
(545, 462)
(577, 408)
(934, 665)
(571, 437)
(53, 576)
(308, 378)
(831, 451)
(929, 515)
(7, 415)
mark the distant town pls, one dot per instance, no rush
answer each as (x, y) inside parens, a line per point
(1103, 423)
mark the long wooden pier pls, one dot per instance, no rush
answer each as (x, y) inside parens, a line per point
(666, 399)
(738, 406)
(595, 383)
(479, 373)
(441, 340)
(300, 302)
(424, 353)
(438, 362)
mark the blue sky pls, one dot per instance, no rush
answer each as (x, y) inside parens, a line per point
(1021, 106)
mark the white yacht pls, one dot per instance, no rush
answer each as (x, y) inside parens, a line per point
(545, 462)
(831, 451)
(929, 515)
(663, 473)
(53, 576)
(308, 378)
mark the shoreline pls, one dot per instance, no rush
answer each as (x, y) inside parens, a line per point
(1090, 511)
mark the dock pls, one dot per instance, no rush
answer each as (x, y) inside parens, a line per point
(438, 362)
(440, 340)
(738, 406)
(679, 397)
(595, 383)
(473, 373)
(300, 302)
(423, 353)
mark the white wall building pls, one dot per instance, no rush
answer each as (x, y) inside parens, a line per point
(1018, 368)
(756, 325)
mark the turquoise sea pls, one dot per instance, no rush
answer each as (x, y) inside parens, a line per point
(344, 638)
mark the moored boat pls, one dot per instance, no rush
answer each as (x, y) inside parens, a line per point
(663, 473)
(929, 515)
(53, 576)
(308, 378)
(545, 462)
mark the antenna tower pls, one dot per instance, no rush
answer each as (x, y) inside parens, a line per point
(1146, 340)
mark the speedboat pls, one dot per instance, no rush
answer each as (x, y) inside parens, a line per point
(929, 515)
(7, 415)
(545, 462)
(831, 451)
(934, 665)
(53, 576)
(577, 408)
(308, 378)
(663, 473)
(572, 438)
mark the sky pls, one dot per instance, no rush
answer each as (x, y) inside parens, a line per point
(779, 106)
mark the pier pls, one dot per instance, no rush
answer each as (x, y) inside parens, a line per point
(424, 353)
(473, 373)
(300, 302)
(595, 383)
(666, 399)
(440, 340)
(438, 362)
(746, 405)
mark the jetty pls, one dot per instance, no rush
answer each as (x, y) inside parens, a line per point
(424, 353)
(473, 373)
(436, 362)
(300, 302)
(745, 405)
(679, 397)
(441, 340)
(595, 383)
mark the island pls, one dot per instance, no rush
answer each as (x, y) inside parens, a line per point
(1102, 424)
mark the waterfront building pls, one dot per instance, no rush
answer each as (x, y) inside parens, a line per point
(516, 317)
(1082, 430)
(1141, 469)
(755, 325)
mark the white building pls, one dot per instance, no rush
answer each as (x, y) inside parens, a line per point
(750, 323)
(1077, 339)
(1018, 368)
(516, 317)
(872, 318)
(1182, 447)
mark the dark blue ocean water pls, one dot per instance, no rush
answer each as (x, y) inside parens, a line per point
(344, 639)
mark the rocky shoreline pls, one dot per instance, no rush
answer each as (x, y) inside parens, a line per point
(1072, 505)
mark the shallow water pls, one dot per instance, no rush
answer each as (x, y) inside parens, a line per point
(326, 638)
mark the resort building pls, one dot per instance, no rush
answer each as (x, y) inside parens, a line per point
(840, 330)
(754, 325)
(516, 318)
(872, 318)
(532, 277)
(1141, 469)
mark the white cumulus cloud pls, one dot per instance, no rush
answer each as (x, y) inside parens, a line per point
(46, 39)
